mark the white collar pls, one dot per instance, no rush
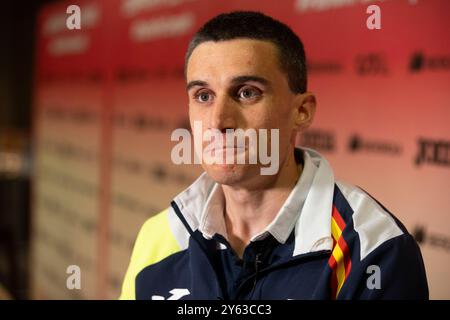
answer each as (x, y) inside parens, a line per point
(308, 208)
(212, 219)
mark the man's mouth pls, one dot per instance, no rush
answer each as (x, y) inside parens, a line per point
(224, 155)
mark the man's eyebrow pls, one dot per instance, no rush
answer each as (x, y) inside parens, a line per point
(234, 81)
(245, 78)
(195, 83)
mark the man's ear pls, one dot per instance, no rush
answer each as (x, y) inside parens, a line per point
(305, 108)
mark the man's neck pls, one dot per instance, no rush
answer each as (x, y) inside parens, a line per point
(248, 212)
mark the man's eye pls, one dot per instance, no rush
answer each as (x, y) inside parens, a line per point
(248, 93)
(203, 97)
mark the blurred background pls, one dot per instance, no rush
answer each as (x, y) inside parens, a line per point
(86, 116)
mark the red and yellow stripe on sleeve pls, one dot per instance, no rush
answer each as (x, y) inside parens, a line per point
(339, 261)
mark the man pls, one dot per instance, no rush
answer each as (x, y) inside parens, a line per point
(238, 234)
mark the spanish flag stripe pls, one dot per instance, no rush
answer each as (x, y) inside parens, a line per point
(335, 230)
(340, 270)
(339, 261)
(348, 266)
(332, 262)
(337, 216)
(343, 245)
(346, 252)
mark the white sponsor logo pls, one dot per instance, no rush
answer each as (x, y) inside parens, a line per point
(176, 294)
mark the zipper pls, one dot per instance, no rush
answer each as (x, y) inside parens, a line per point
(257, 263)
(259, 272)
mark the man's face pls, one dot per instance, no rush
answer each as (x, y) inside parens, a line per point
(238, 84)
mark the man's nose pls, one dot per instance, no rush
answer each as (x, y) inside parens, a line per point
(223, 114)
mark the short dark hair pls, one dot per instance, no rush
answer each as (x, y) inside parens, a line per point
(258, 26)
